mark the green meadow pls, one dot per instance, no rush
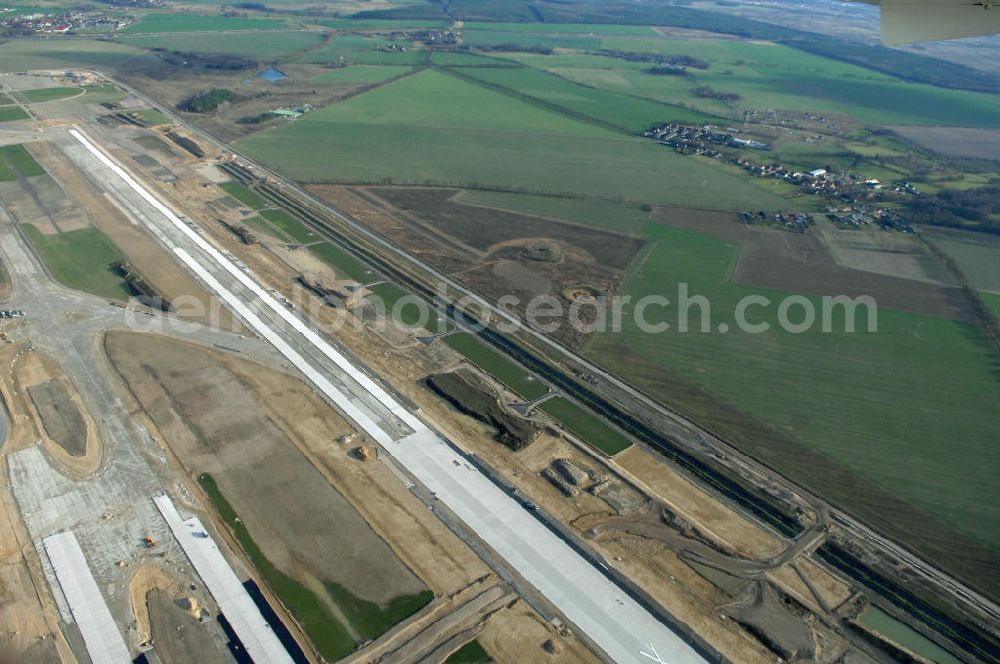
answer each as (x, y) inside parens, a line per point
(363, 74)
(435, 128)
(12, 113)
(377, 24)
(289, 225)
(776, 76)
(514, 376)
(896, 426)
(344, 265)
(531, 40)
(244, 195)
(766, 76)
(40, 95)
(185, 22)
(631, 114)
(912, 400)
(586, 425)
(466, 59)
(562, 28)
(16, 158)
(322, 618)
(81, 259)
(276, 44)
(471, 653)
(403, 306)
(360, 49)
(28, 54)
(599, 214)
(978, 260)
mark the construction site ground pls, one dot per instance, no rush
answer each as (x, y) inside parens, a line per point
(317, 497)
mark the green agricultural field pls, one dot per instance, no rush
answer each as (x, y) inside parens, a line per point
(775, 76)
(908, 411)
(599, 214)
(323, 626)
(244, 195)
(978, 260)
(375, 24)
(179, 22)
(5, 99)
(563, 28)
(104, 93)
(275, 45)
(152, 117)
(289, 225)
(471, 653)
(371, 620)
(40, 95)
(802, 156)
(324, 631)
(81, 259)
(584, 424)
(344, 265)
(514, 376)
(463, 59)
(628, 78)
(29, 54)
(482, 38)
(435, 128)
(362, 74)
(358, 49)
(631, 114)
(993, 302)
(12, 113)
(16, 158)
(262, 226)
(405, 307)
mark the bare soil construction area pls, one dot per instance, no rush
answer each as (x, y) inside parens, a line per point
(216, 425)
(40, 201)
(158, 267)
(178, 636)
(52, 403)
(29, 623)
(801, 263)
(494, 252)
(60, 416)
(346, 529)
(648, 562)
(169, 617)
(711, 517)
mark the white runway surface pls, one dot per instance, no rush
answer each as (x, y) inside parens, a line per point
(235, 603)
(100, 633)
(596, 606)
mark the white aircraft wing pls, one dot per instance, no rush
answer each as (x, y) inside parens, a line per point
(909, 21)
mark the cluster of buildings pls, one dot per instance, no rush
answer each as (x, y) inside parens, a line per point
(703, 140)
(438, 37)
(856, 216)
(793, 221)
(844, 186)
(391, 47)
(61, 23)
(291, 113)
(856, 195)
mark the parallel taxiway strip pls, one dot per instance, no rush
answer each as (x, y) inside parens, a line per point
(100, 633)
